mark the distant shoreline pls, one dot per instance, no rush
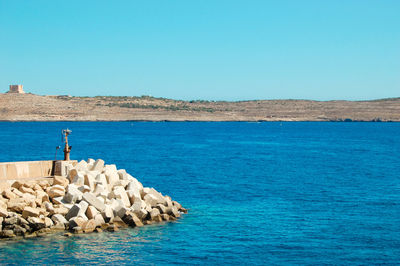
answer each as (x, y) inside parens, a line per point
(30, 107)
(199, 121)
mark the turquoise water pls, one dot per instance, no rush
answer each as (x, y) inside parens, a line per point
(258, 193)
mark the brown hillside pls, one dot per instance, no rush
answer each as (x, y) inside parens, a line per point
(30, 107)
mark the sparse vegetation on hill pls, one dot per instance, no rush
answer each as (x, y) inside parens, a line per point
(30, 107)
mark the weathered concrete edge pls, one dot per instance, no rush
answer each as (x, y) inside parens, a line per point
(28, 169)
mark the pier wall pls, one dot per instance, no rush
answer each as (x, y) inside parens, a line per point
(23, 170)
(12, 171)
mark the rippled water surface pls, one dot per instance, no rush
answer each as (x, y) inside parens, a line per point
(258, 193)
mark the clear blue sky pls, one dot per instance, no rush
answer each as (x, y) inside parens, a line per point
(204, 49)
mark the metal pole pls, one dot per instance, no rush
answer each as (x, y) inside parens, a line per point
(57, 148)
(67, 148)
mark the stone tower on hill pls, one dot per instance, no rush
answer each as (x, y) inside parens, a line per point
(16, 89)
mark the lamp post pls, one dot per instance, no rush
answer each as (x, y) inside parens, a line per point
(67, 149)
(57, 148)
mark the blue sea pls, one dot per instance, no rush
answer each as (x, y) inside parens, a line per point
(268, 193)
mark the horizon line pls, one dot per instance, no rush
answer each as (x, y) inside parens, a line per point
(203, 100)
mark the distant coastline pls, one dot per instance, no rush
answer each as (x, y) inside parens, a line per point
(31, 107)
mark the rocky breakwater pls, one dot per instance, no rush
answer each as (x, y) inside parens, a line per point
(92, 197)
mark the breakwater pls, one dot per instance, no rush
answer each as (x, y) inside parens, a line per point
(88, 196)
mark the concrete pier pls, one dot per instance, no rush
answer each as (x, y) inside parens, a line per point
(22, 170)
(48, 196)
